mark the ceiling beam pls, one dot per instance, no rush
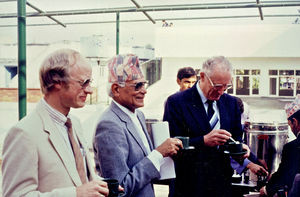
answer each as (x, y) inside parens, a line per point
(150, 9)
(159, 19)
(145, 13)
(41, 11)
(260, 11)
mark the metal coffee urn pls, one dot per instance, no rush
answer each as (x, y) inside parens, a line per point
(266, 141)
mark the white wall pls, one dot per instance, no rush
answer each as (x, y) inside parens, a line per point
(232, 41)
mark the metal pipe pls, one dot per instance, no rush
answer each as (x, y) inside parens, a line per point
(145, 13)
(117, 33)
(41, 11)
(150, 9)
(159, 19)
(260, 11)
(22, 57)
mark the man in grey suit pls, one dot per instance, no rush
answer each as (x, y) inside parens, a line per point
(44, 154)
(123, 149)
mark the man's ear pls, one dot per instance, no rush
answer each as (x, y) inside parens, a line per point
(296, 123)
(59, 85)
(178, 81)
(202, 75)
(115, 89)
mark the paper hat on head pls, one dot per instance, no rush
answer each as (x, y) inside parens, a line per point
(293, 107)
(124, 68)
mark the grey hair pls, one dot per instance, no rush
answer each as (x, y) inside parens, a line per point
(56, 68)
(218, 61)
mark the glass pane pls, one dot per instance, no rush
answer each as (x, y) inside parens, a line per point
(273, 72)
(286, 86)
(242, 85)
(255, 72)
(286, 72)
(272, 86)
(297, 72)
(242, 72)
(298, 86)
(255, 85)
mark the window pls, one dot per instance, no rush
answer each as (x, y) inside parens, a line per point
(273, 72)
(286, 72)
(242, 72)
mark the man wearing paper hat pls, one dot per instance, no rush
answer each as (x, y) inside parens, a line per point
(123, 149)
(290, 160)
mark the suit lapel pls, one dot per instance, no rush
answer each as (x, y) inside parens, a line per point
(197, 109)
(59, 144)
(130, 126)
(223, 114)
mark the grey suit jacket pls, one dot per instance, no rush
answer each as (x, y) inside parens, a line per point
(121, 154)
(36, 161)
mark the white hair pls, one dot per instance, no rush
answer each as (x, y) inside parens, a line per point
(218, 61)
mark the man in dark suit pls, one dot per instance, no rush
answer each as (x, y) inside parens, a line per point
(209, 117)
(290, 160)
(123, 149)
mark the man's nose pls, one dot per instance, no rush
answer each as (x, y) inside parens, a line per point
(88, 90)
(143, 90)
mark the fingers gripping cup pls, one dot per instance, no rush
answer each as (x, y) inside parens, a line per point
(185, 141)
(113, 187)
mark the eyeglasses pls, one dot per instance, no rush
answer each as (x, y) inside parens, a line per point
(84, 84)
(218, 86)
(138, 86)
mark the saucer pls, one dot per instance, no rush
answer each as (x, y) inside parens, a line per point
(189, 148)
(121, 194)
(235, 154)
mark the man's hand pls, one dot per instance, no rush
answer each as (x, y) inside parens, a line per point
(169, 147)
(257, 169)
(246, 147)
(216, 137)
(95, 188)
(262, 191)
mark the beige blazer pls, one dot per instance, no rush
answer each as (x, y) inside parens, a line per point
(36, 161)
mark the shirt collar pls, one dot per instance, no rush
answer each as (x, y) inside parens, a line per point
(55, 115)
(203, 98)
(125, 110)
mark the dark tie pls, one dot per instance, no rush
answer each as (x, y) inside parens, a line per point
(210, 110)
(77, 153)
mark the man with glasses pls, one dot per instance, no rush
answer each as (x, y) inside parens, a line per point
(123, 148)
(209, 117)
(45, 153)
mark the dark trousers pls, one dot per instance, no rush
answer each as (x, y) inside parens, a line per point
(202, 173)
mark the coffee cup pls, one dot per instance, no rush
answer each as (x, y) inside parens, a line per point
(185, 141)
(234, 147)
(113, 187)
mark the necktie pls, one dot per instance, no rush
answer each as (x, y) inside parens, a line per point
(211, 115)
(77, 153)
(210, 109)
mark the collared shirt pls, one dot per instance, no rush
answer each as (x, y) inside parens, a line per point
(234, 164)
(59, 121)
(215, 107)
(154, 156)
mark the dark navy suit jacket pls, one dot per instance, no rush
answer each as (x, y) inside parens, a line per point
(288, 168)
(205, 171)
